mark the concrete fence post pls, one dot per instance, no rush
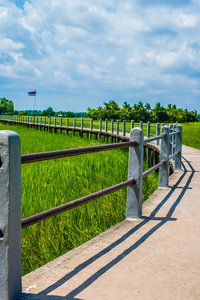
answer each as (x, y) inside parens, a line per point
(170, 139)
(91, 124)
(106, 125)
(67, 122)
(82, 123)
(54, 122)
(60, 125)
(100, 125)
(132, 124)
(10, 215)
(178, 147)
(141, 125)
(44, 120)
(117, 127)
(135, 170)
(164, 155)
(124, 128)
(148, 129)
(112, 126)
(74, 123)
(158, 133)
(174, 139)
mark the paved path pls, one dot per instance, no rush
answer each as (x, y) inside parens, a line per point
(155, 257)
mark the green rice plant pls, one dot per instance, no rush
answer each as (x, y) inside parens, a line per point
(48, 184)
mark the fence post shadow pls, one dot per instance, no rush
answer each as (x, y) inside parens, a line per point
(145, 219)
(134, 201)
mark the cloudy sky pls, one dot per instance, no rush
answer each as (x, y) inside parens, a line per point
(81, 53)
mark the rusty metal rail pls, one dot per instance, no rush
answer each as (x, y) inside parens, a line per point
(85, 150)
(28, 158)
(70, 205)
(155, 167)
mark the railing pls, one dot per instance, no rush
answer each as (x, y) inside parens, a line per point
(73, 124)
(10, 189)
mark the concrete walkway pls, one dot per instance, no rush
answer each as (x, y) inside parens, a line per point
(155, 257)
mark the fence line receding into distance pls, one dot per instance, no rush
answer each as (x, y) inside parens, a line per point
(10, 186)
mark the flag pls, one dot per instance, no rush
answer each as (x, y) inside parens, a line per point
(32, 93)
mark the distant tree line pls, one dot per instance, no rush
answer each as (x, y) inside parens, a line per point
(142, 112)
(49, 112)
(7, 108)
(111, 111)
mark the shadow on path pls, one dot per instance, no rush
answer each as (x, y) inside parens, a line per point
(100, 272)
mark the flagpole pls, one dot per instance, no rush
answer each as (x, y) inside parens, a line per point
(34, 101)
(34, 108)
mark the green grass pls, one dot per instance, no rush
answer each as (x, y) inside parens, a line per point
(51, 183)
(191, 135)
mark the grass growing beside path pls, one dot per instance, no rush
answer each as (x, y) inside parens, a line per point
(51, 183)
(191, 135)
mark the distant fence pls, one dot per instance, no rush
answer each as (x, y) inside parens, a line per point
(116, 130)
(10, 189)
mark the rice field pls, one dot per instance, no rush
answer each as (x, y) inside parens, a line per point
(51, 183)
(188, 128)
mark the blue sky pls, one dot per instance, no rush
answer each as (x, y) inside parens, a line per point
(81, 53)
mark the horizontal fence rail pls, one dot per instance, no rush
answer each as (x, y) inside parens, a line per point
(28, 158)
(70, 205)
(170, 142)
(155, 167)
(158, 137)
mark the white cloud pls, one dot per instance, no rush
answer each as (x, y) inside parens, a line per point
(109, 46)
(184, 20)
(167, 59)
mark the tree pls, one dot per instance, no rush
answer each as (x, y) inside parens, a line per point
(126, 106)
(126, 114)
(159, 113)
(140, 113)
(48, 112)
(69, 114)
(23, 113)
(148, 107)
(6, 106)
(10, 107)
(112, 110)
